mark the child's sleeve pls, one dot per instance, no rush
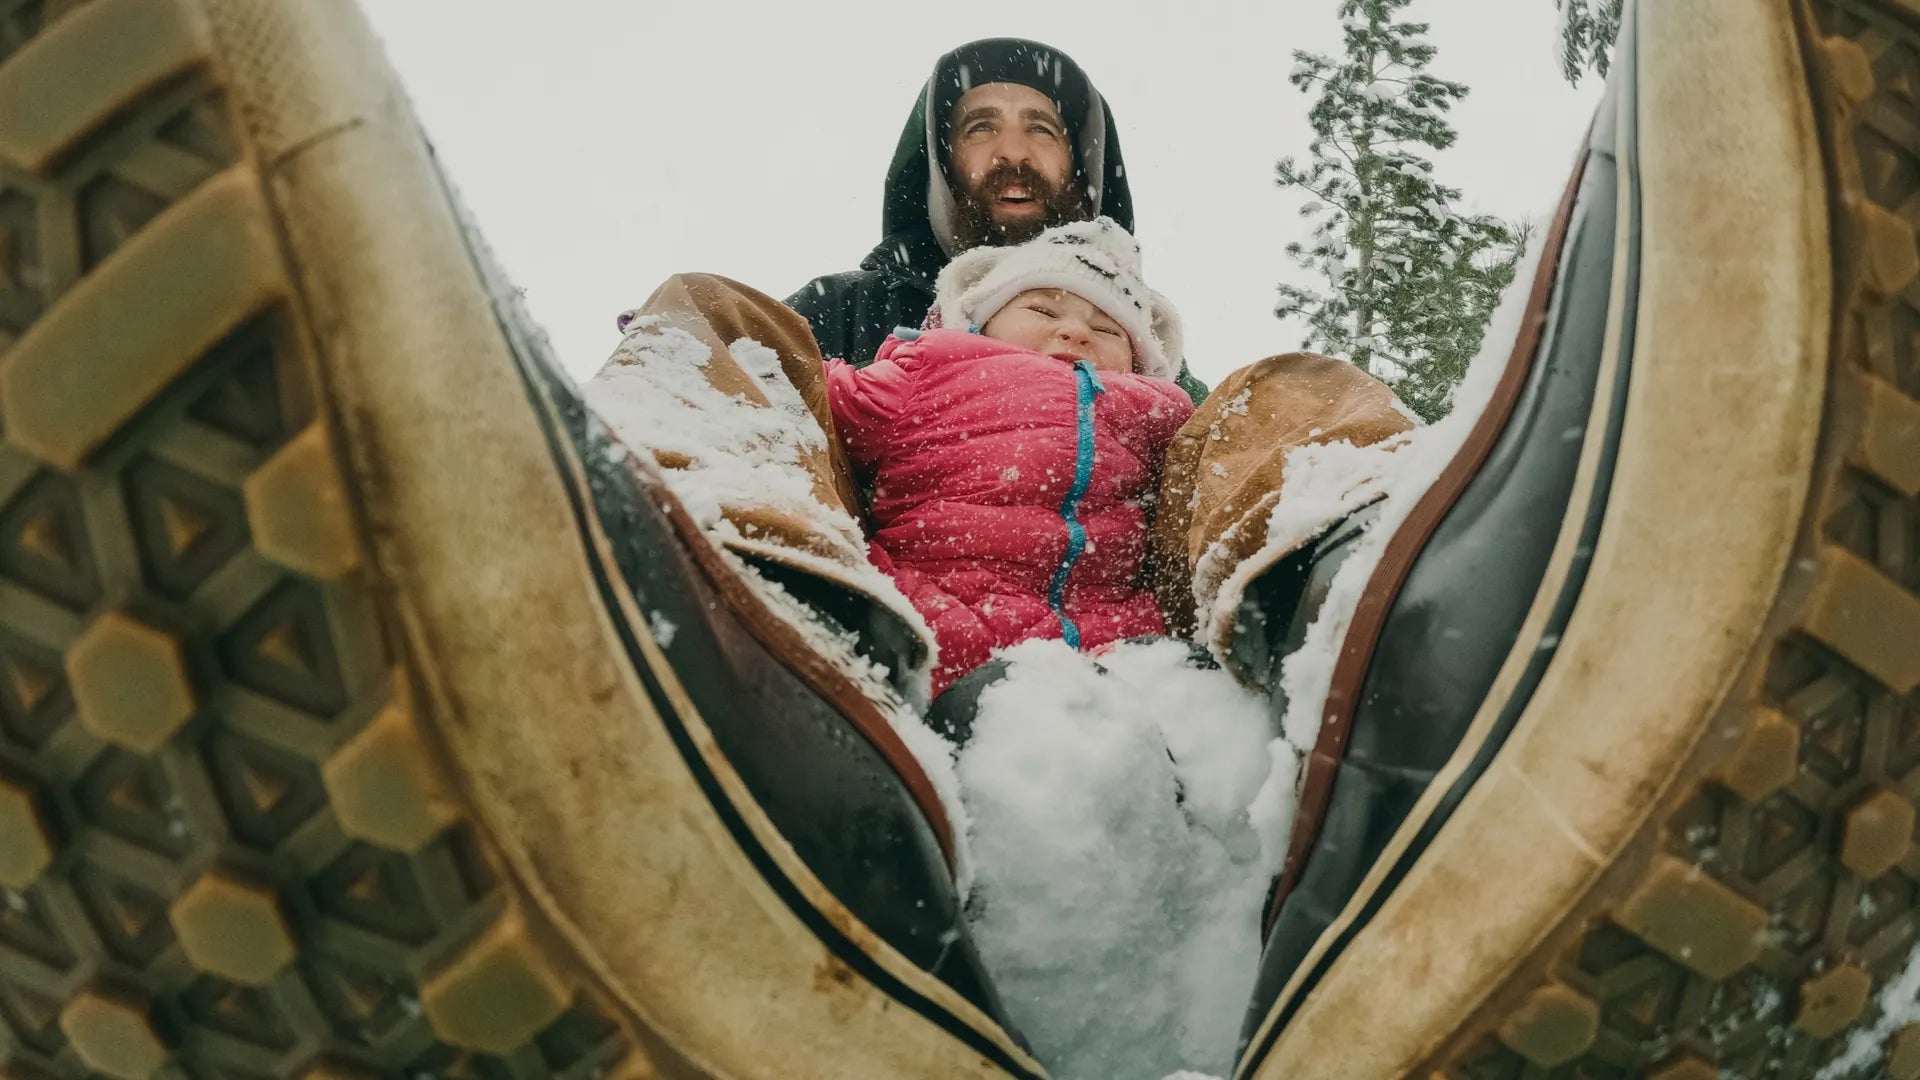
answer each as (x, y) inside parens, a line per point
(866, 402)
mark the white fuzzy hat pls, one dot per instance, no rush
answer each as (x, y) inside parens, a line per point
(1096, 260)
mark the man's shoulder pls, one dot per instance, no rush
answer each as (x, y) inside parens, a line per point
(829, 288)
(853, 311)
(862, 295)
(905, 262)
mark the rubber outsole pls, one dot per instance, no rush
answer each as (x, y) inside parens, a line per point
(1754, 925)
(209, 755)
(1757, 926)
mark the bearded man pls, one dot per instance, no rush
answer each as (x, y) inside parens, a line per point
(1007, 138)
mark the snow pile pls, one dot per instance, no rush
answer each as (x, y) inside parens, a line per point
(720, 449)
(1323, 483)
(1118, 872)
(724, 452)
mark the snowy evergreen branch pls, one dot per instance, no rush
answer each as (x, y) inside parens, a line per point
(1587, 31)
(1409, 283)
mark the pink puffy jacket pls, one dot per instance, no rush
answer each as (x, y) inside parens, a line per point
(1007, 488)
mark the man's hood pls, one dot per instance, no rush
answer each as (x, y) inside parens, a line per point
(916, 224)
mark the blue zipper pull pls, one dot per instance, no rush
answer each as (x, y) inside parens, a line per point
(1092, 374)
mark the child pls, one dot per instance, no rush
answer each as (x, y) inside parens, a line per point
(1010, 461)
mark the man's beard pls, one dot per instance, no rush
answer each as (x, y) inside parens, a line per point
(974, 221)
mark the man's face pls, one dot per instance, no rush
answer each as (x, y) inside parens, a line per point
(1011, 164)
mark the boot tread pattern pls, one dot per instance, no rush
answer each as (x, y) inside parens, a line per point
(1783, 893)
(227, 848)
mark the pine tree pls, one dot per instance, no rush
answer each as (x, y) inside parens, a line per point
(1587, 30)
(1409, 283)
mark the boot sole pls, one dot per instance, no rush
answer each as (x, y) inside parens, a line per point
(1693, 857)
(270, 800)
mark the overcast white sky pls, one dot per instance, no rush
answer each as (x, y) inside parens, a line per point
(604, 145)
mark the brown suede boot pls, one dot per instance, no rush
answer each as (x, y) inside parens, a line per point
(364, 708)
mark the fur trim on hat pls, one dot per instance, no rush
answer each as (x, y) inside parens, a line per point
(1096, 260)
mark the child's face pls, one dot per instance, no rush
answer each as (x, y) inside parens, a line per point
(1059, 323)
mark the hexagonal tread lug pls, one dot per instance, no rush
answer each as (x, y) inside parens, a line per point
(298, 509)
(1860, 613)
(1850, 69)
(1694, 919)
(1766, 759)
(385, 786)
(498, 994)
(1553, 1026)
(1876, 834)
(1886, 240)
(233, 929)
(112, 1035)
(1888, 444)
(1832, 1000)
(129, 682)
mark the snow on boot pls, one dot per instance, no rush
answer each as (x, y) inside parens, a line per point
(364, 707)
(723, 387)
(1616, 776)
